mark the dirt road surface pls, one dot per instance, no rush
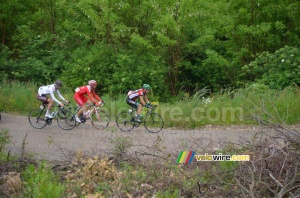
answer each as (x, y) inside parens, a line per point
(53, 143)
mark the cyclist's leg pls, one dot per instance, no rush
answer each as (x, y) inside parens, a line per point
(137, 106)
(48, 102)
(132, 103)
(80, 100)
(138, 112)
(88, 105)
(140, 108)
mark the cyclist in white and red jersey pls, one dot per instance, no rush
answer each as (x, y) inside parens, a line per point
(49, 90)
(86, 95)
(141, 95)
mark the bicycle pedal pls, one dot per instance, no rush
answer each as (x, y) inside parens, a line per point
(49, 121)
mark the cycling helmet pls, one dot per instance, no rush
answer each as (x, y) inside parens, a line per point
(58, 83)
(146, 86)
(93, 83)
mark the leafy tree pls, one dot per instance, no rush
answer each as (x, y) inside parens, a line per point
(263, 25)
(277, 70)
(176, 46)
(6, 63)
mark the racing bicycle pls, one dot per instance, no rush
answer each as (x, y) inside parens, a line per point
(98, 117)
(63, 116)
(153, 122)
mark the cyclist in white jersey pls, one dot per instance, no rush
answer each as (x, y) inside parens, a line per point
(45, 91)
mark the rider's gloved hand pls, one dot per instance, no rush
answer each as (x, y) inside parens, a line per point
(98, 104)
(148, 105)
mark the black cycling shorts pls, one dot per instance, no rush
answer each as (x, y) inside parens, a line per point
(42, 98)
(132, 103)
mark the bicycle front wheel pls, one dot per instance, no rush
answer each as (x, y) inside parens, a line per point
(125, 121)
(37, 118)
(153, 122)
(65, 119)
(100, 119)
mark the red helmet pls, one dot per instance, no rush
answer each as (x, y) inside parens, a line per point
(93, 83)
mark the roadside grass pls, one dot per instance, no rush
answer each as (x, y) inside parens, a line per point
(4, 139)
(229, 107)
(128, 175)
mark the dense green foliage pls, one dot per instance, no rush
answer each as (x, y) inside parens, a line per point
(277, 70)
(176, 46)
(238, 106)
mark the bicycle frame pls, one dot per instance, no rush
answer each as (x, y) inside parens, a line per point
(99, 122)
(54, 113)
(152, 121)
(63, 116)
(85, 116)
(149, 110)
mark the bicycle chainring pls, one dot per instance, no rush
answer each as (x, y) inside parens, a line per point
(83, 120)
(49, 121)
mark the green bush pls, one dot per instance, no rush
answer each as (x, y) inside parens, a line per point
(41, 182)
(277, 70)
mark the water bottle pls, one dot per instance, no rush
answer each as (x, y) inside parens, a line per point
(52, 114)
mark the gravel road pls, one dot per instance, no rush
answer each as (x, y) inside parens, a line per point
(53, 143)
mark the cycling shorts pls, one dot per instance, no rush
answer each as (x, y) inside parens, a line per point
(42, 98)
(132, 103)
(80, 100)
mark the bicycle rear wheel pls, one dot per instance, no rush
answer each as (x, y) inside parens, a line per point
(37, 118)
(125, 121)
(65, 119)
(100, 119)
(153, 122)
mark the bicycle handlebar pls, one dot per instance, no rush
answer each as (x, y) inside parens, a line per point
(65, 104)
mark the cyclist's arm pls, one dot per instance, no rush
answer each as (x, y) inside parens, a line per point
(61, 97)
(146, 99)
(142, 100)
(91, 97)
(95, 95)
(54, 98)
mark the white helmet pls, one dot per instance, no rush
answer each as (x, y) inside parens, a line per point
(93, 83)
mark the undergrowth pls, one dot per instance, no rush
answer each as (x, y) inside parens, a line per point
(271, 172)
(227, 107)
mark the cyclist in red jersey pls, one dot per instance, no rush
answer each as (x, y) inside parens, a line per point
(140, 94)
(86, 95)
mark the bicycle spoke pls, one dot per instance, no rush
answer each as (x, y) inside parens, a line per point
(36, 118)
(153, 122)
(125, 121)
(100, 119)
(65, 119)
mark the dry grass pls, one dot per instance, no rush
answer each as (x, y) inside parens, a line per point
(10, 184)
